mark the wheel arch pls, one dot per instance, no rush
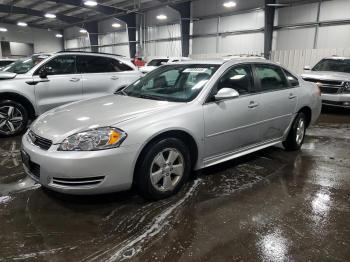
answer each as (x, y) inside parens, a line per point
(308, 113)
(184, 136)
(20, 99)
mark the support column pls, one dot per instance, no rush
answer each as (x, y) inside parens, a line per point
(130, 20)
(185, 13)
(92, 28)
(268, 32)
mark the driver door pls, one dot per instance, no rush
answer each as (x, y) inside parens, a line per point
(62, 85)
(231, 125)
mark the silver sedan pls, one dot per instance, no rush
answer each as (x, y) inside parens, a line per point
(179, 118)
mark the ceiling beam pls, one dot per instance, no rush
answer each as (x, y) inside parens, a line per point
(27, 11)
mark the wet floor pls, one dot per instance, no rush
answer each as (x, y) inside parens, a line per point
(269, 206)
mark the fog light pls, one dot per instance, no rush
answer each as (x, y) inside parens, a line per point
(346, 103)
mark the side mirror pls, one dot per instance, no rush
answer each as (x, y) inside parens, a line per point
(43, 73)
(226, 93)
(307, 68)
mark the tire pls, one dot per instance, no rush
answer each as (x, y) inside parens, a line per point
(296, 133)
(13, 118)
(156, 177)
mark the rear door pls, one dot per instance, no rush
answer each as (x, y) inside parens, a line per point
(103, 75)
(63, 83)
(277, 101)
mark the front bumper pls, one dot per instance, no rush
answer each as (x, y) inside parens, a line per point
(92, 172)
(340, 100)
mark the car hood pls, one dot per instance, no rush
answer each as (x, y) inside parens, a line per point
(327, 75)
(59, 123)
(6, 75)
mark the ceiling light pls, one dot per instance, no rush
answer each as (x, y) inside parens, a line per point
(48, 15)
(116, 25)
(90, 3)
(3, 29)
(229, 4)
(59, 35)
(161, 17)
(83, 31)
(22, 24)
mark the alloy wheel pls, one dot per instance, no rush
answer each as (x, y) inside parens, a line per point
(167, 169)
(11, 119)
(300, 132)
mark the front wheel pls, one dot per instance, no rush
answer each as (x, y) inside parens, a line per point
(163, 169)
(296, 134)
(13, 118)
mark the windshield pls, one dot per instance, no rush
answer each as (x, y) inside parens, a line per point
(23, 65)
(157, 62)
(335, 65)
(177, 83)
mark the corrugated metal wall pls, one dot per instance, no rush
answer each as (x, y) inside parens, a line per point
(295, 60)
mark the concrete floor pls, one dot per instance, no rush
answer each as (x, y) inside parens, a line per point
(269, 206)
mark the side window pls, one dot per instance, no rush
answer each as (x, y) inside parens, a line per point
(96, 64)
(293, 81)
(61, 65)
(271, 77)
(120, 66)
(239, 78)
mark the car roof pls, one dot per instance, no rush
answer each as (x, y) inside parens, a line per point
(337, 57)
(231, 61)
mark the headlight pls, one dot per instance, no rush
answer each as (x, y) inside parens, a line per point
(346, 88)
(95, 139)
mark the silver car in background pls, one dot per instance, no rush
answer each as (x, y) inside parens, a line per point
(178, 118)
(332, 75)
(36, 84)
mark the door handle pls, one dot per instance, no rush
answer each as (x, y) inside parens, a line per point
(114, 78)
(74, 79)
(253, 104)
(292, 96)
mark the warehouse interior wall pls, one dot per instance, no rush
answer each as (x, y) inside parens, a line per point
(42, 40)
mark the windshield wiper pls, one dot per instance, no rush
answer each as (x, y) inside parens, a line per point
(146, 96)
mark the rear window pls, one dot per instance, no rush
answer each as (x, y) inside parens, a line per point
(99, 64)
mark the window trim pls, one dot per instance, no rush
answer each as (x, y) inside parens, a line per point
(37, 71)
(254, 84)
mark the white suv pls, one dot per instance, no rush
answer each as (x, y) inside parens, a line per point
(33, 85)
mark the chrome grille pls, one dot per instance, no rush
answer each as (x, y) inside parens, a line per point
(39, 141)
(327, 86)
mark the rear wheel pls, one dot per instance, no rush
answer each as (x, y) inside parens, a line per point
(296, 134)
(13, 118)
(163, 169)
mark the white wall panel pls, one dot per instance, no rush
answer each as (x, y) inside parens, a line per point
(113, 38)
(297, 14)
(120, 50)
(335, 10)
(166, 48)
(334, 36)
(295, 60)
(242, 44)
(43, 40)
(163, 32)
(247, 21)
(295, 38)
(206, 26)
(204, 45)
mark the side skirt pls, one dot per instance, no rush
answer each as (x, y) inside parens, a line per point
(210, 161)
